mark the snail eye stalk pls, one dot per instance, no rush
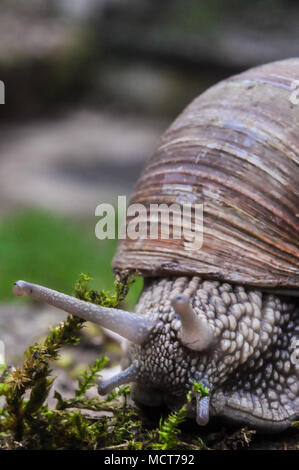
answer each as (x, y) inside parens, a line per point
(131, 326)
(196, 333)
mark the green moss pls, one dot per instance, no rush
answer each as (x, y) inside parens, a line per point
(169, 431)
(31, 423)
(87, 380)
(198, 389)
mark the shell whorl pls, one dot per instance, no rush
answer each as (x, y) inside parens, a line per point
(235, 149)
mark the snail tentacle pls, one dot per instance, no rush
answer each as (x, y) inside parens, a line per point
(131, 326)
(125, 376)
(202, 409)
(196, 333)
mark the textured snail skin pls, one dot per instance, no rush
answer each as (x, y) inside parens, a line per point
(248, 369)
(242, 350)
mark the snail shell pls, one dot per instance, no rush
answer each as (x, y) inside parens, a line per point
(234, 149)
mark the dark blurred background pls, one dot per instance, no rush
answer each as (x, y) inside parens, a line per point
(90, 86)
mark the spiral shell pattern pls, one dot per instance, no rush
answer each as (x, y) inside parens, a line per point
(235, 150)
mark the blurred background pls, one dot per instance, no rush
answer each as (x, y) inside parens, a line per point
(90, 86)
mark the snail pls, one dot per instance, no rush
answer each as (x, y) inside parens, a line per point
(225, 315)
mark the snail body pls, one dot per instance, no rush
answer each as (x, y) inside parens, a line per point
(247, 366)
(225, 315)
